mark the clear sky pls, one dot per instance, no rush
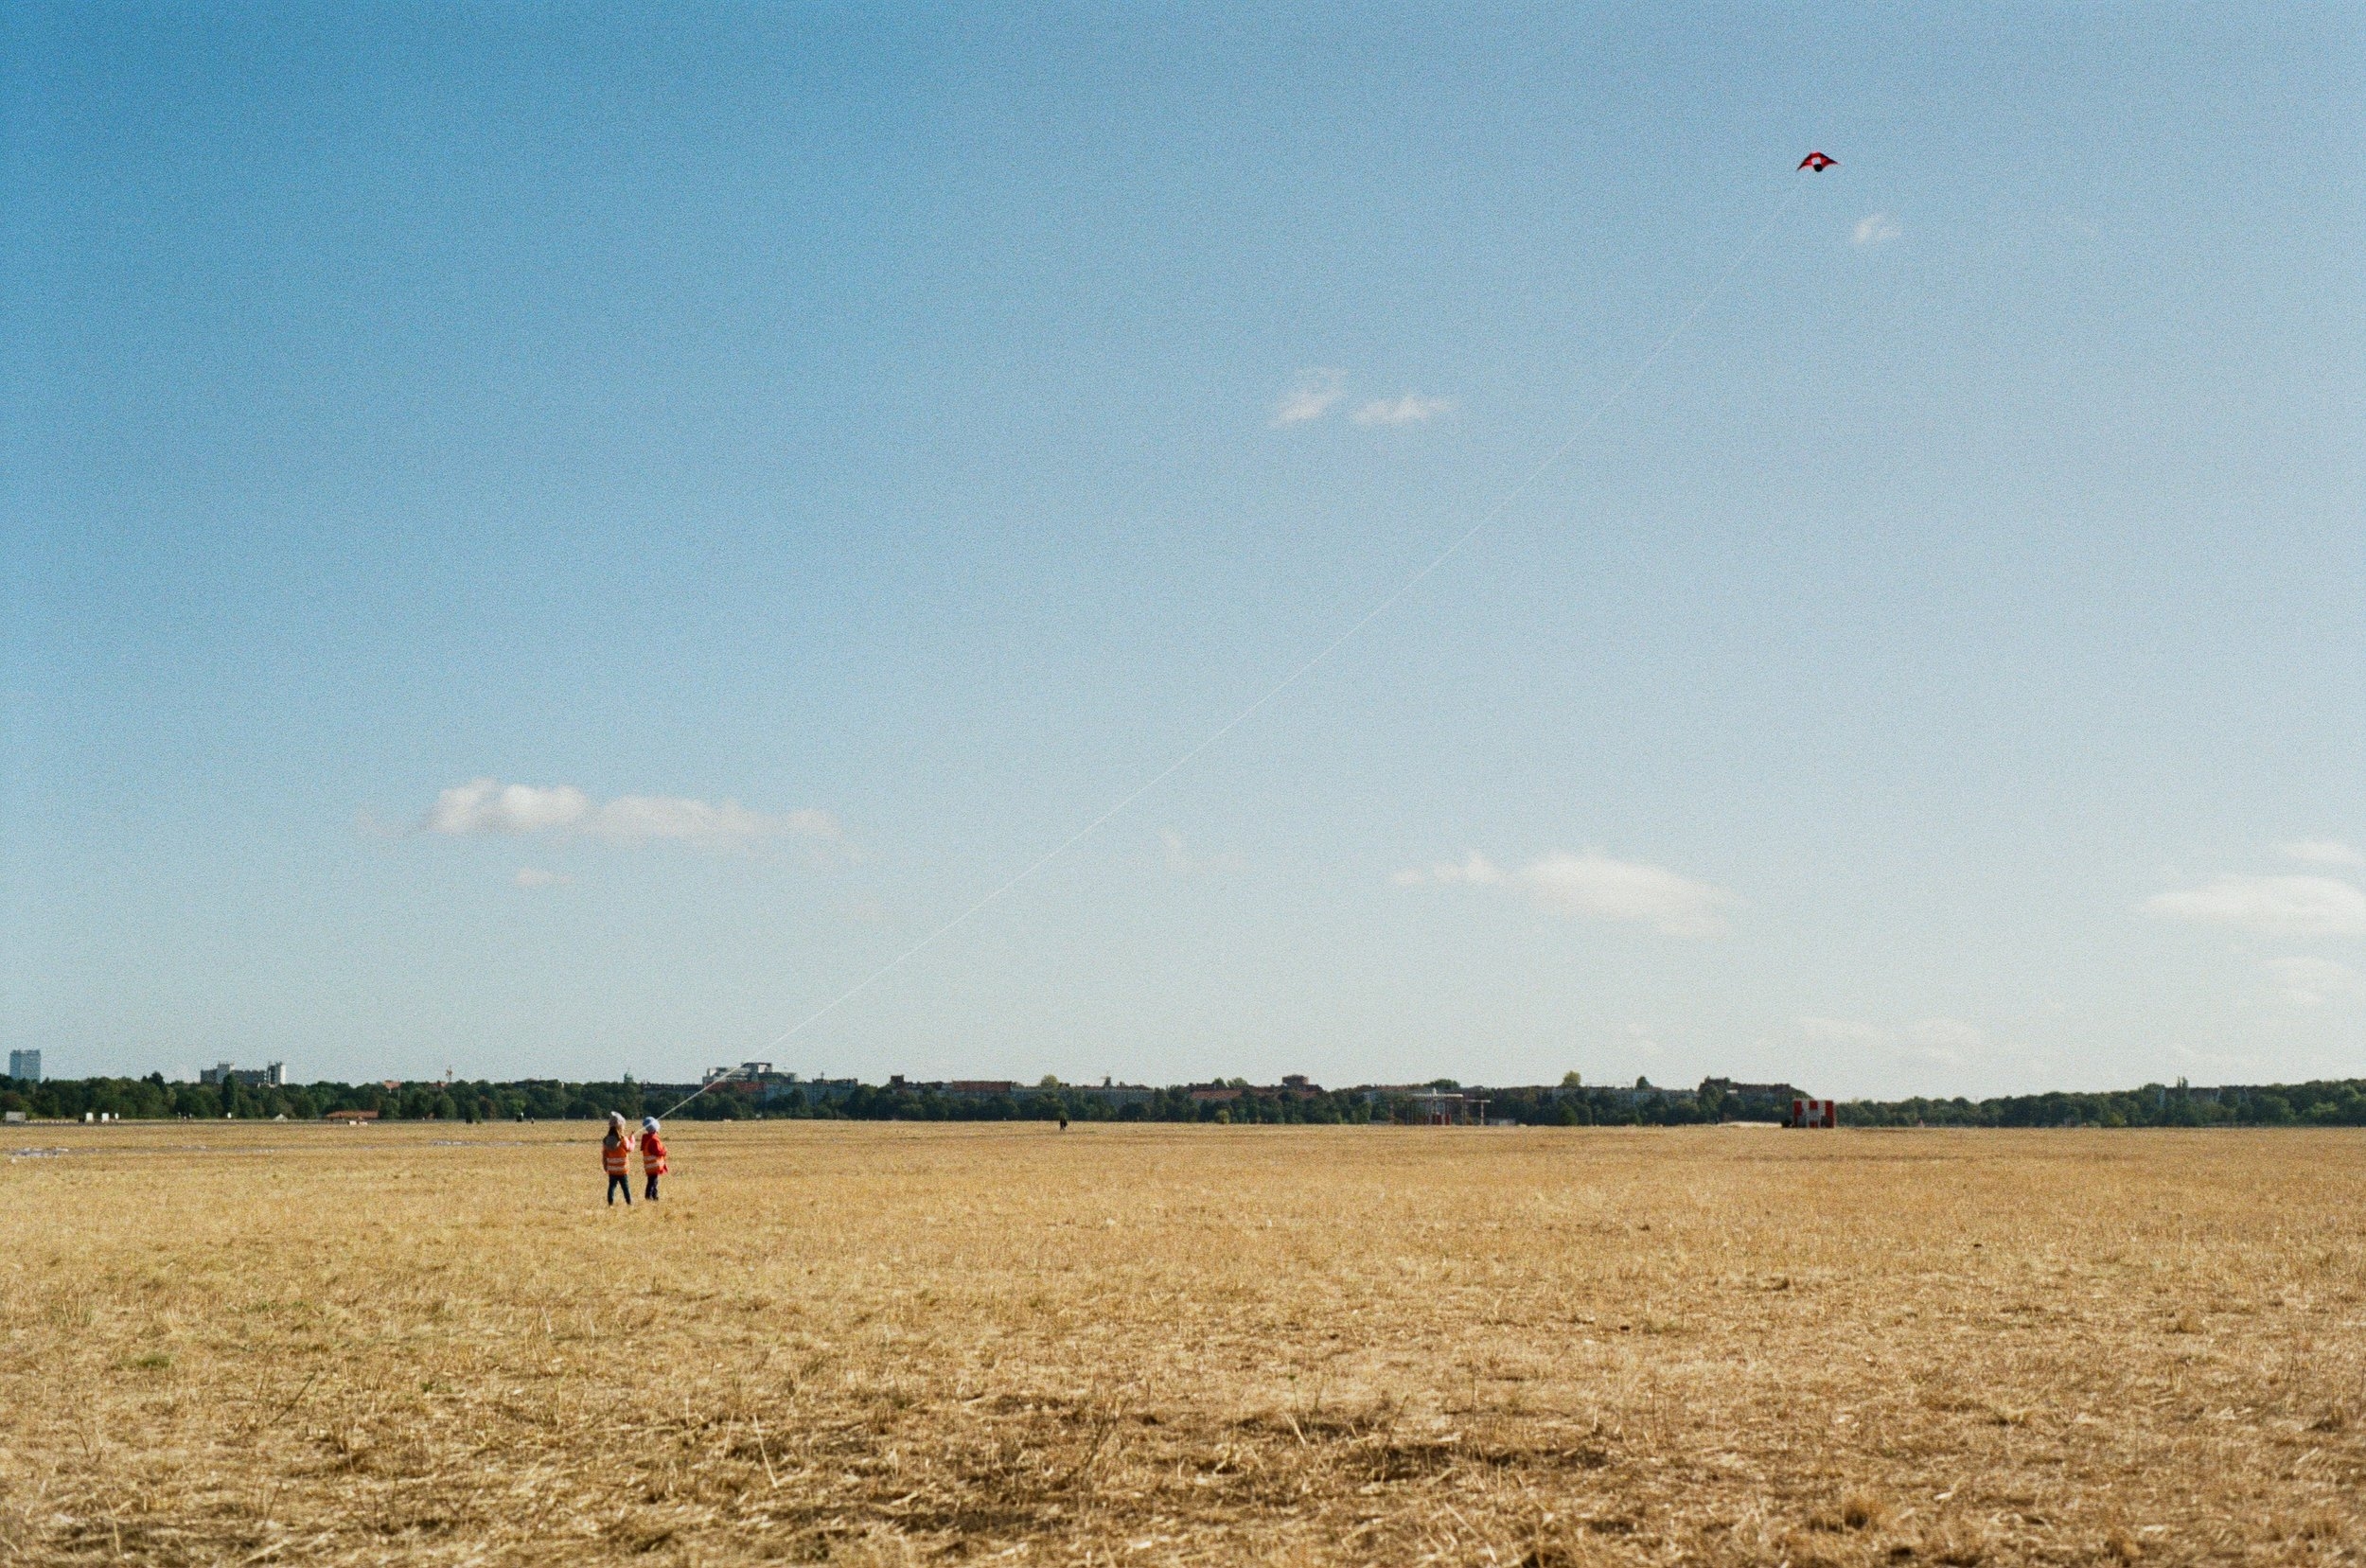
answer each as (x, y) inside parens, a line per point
(557, 541)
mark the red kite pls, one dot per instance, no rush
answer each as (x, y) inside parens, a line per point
(1818, 161)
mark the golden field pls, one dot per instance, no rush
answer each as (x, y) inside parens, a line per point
(1139, 1345)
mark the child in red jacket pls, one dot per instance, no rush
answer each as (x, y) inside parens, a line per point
(652, 1155)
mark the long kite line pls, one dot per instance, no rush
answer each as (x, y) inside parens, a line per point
(1551, 459)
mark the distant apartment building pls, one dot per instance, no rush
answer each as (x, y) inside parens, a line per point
(225, 1073)
(752, 1071)
(759, 1084)
(1110, 1092)
(814, 1091)
(25, 1064)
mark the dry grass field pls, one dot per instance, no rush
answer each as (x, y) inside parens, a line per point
(1147, 1344)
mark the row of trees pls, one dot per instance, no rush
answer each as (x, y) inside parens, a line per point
(1569, 1105)
(151, 1099)
(547, 1100)
(2338, 1104)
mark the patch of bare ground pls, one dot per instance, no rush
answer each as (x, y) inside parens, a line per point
(898, 1344)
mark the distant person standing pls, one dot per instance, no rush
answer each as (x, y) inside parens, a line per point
(616, 1160)
(652, 1155)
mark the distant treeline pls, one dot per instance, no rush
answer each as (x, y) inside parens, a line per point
(548, 1099)
(2338, 1104)
(2334, 1103)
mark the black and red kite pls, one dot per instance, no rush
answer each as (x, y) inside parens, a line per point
(1818, 161)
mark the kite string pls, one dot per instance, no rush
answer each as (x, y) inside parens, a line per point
(1527, 481)
(720, 1078)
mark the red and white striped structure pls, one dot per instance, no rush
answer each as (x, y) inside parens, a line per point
(1814, 1113)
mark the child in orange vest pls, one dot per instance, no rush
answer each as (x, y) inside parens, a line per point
(616, 1158)
(652, 1154)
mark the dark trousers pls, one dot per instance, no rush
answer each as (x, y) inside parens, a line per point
(651, 1193)
(620, 1184)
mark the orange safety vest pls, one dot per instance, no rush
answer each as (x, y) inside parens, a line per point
(653, 1154)
(615, 1155)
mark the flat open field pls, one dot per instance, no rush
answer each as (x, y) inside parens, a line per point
(1141, 1345)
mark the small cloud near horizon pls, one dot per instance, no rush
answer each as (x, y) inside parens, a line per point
(488, 807)
(1313, 398)
(2320, 851)
(2269, 906)
(2305, 981)
(1595, 886)
(1873, 229)
(1411, 409)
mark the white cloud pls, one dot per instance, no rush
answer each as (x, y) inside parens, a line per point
(1317, 390)
(2314, 982)
(1411, 409)
(488, 806)
(639, 819)
(1598, 888)
(1475, 869)
(1874, 228)
(535, 877)
(2272, 905)
(1595, 886)
(2320, 851)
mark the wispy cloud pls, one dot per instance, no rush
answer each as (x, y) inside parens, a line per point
(2271, 906)
(485, 807)
(1595, 886)
(1475, 869)
(2315, 982)
(1874, 228)
(1950, 1042)
(2320, 851)
(1183, 861)
(1313, 398)
(1411, 409)
(535, 877)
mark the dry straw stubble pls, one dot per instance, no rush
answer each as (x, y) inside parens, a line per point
(884, 1343)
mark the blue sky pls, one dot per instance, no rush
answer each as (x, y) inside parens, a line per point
(558, 542)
